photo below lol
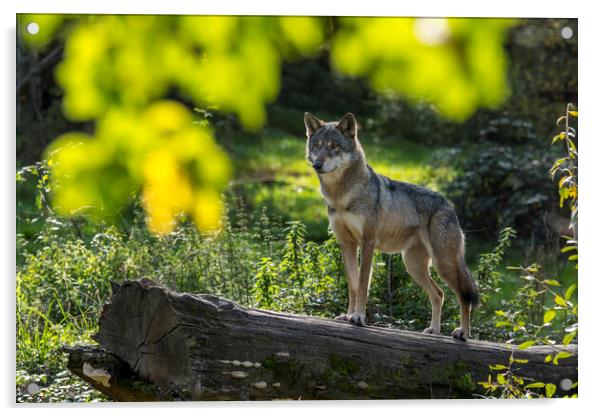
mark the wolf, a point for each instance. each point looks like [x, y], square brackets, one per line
[369, 212]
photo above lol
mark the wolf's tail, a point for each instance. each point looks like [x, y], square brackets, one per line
[468, 287]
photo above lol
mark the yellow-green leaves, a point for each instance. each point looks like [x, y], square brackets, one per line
[526, 344]
[457, 64]
[117, 67]
[559, 300]
[549, 315]
[304, 34]
[37, 30]
[568, 338]
[569, 292]
[550, 389]
[559, 137]
[176, 164]
[231, 61]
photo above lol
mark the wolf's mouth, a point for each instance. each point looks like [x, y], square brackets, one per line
[321, 171]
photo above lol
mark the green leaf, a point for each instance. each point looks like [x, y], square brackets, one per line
[560, 301]
[561, 355]
[558, 137]
[520, 360]
[568, 248]
[526, 344]
[572, 146]
[573, 113]
[557, 164]
[536, 385]
[497, 367]
[501, 379]
[566, 180]
[551, 282]
[550, 389]
[574, 257]
[548, 358]
[500, 324]
[568, 338]
[569, 292]
[549, 315]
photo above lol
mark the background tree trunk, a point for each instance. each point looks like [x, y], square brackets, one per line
[160, 345]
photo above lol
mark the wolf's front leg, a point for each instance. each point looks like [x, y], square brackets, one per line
[350, 258]
[359, 315]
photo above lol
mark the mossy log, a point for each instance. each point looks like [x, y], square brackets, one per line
[164, 345]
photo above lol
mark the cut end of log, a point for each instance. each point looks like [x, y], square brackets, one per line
[109, 374]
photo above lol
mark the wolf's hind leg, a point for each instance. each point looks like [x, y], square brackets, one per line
[416, 259]
[447, 242]
[349, 252]
[453, 269]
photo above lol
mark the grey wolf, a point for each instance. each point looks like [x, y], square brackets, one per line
[368, 211]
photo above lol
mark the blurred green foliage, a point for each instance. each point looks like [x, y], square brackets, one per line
[457, 64]
[117, 71]
[177, 164]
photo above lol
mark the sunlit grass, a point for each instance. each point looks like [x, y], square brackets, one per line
[271, 171]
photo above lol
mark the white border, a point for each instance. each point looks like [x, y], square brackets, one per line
[589, 33]
[518, 8]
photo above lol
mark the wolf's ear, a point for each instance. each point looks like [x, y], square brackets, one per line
[312, 123]
[348, 126]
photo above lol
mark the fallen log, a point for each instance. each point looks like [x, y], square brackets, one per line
[163, 345]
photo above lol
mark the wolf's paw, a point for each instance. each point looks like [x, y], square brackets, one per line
[431, 330]
[343, 317]
[358, 319]
[460, 334]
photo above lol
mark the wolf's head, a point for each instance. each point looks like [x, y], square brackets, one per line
[332, 145]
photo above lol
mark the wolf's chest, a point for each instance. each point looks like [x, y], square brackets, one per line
[347, 225]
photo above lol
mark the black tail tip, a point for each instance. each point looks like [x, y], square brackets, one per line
[471, 297]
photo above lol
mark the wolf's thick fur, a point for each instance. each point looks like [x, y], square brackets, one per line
[370, 211]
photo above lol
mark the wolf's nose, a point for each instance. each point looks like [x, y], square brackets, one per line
[317, 165]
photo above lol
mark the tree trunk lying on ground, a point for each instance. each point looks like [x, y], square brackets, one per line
[159, 345]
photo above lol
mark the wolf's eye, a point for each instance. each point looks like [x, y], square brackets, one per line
[333, 145]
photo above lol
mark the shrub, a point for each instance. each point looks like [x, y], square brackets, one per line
[500, 186]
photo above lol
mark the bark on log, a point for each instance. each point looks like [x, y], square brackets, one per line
[201, 347]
